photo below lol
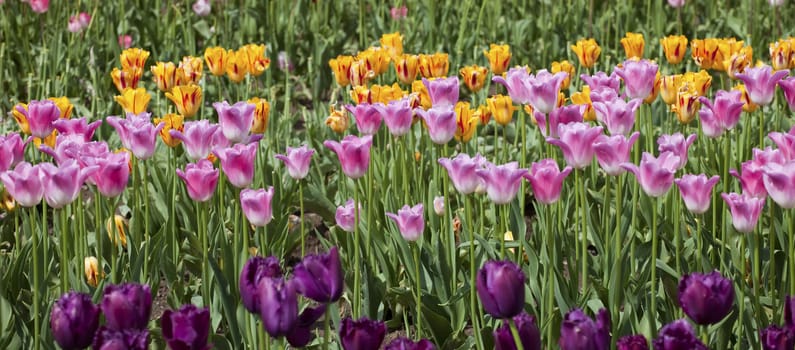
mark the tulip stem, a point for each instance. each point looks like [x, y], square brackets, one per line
[472, 273]
[515, 333]
[64, 247]
[98, 232]
[699, 244]
[301, 205]
[755, 283]
[677, 238]
[202, 209]
[36, 289]
[327, 332]
[148, 239]
[550, 270]
[418, 321]
[584, 232]
[653, 265]
[173, 215]
[772, 263]
[791, 249]
[357, 249]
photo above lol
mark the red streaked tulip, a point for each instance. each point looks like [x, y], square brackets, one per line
[612, 151]
[410, 221]
[257, 205]
[200, 180]
[745, 210]
[576, 142]
[353, 153]
[655, 175]
[546, 178]
[696, 191]
[25, 184]
[237, 162]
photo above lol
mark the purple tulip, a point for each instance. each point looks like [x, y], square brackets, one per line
[301, 334]
[73, 321]
[367, 118]
[789, 315]
[779, 180]
[186, 329]
[602, 80]
[710, 125]
[297, 161]
[515, 81]
[612, 151]
[137, 133]
[410, 222]
[403, 343]
[441, 122]
[777, 338]
[785, 143]
[579, 332]
[127, 306]
[563, 115]
[763, 157]
[546, 179]
[200, 179]
[62, 183]
[500, 287]
[13, 150]
[398, 116]
[235, 120]
[576, 141]
[706, 298]
[617, 116]
[257, 205]
[202, 7]
[237, 163]
[696, 191]
[363, 334]
[353, 153]
[751, 177]
[632, 342]
[128, 339]
[638, 76]
[676, 144]
[78, 129]
[194, 138]
[40, 116]
[255, 269]
[529, 334]
[462, 171]
[678, 335]
[655, 175]
[25, 184]
[745, 210]
[345, 216]
[320, 277]
[278, 305]
[65, 149]
[788, 86]
[760, 82]
[113, 174]
[722, 115]
[544, 87]
[284, 62]
[443, 91]
[502, 181]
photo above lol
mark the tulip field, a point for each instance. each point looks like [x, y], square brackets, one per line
[360, 174]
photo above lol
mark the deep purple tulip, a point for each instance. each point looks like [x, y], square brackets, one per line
[502, 181]
[257, 205]
[442, 91]
[563, 115]
[137, 133]
[62, 183]
[529, 334]
[398, 116]
[500, 287]
[186, 329]
[237, 162]
[403, 343]
[77, 129]
[576, 141]
[638, 76]
[655, 175]
[696, 191]
[617, 116]
[25, 184]
[612, 151]
[789, 312]
[785, 143]
[363, 334]
[678, 335]
[367, 118]
[74, 320]
[722, 115]
[301, 334]
[195, 136]
[544, 87]
[278, 303]
[345, 216]
[760, 82]
[579, 332]
[777, 338]
[200, 180]
[602, 80]
[410, 221]
[40, 116]
[633, 342]
[255, 269]
[13, 150]
[788, 86]
[127, 306]
[515, 81]
[462, 171]
[676, 144]
[235, 120]
[128, 339]
[745, 210]
[353, 153]
[441, 123]
[113, 174]
[706, 298]
[546, 179]
[320, 277]
[779, 180]
[297, 161]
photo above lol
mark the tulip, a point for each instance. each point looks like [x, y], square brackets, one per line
[781, 54]
[474, 77]
[367, 118]
[601, 79]
[633, 45]
[202, 7]
[788, 86]
[669, 88]
[587, 51]
[320, 277]
[435, 65]
[583, 98]
[612, 151]
[639, 77]
[278, 305]
[297, 161]
[579, 332]
[785, 143]
[722, 115]
[500, 287]
[441, 122]
[127, 306]
[779, 180]
[134, 100]
[410, 221]
[499, 57]
[254, 270]
[216, 58]
[363, 334]
[74, 25]
[751, 179]
[126, 79]
[678, 335]
[502, 181]
[113, 173]
[73, 320]
[515, 81]
[236, 65]
[655, 175]
[462, 171]
[25, 184]
[187, 99]
[78, 129]
[117, 224]
[438, 205]
[235, 120]
[128, 339]
[675, 47]
[576, 140]
[353, 153]
[466, 122]
[761, 83]
[543, 88]
[403, 343]
[696, 191]
[91, 270]
[261, 115]
[164, 75]
[676, 144]
[602, 94]
[502, 108]
[194, 138]
[340, 66]
[256, 205]
[345, 216]
[375, 61]
[13, 150]
[745, 210]
[284, 62]
[706, 298]
[125, 41]
[676, 3]
[200, 179]
[170, 122]
[632, 342]
[617, 116]
[137, 134]
[38, 116]
[255, 59]
[406, 68]
[238, 163]
[397, 115]
[443, 91]
[777, 338]
[62, 183]
[563, 115]
[301, 334]
[566, 67]
[686, 106]
[529, 335]
[133, 58]
[546, 179]
[39, 6]
[188, 328]
[398, 13]
[763, 157]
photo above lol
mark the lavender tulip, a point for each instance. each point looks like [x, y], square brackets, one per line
[441, 122]
[113, 174]
[724, 113]
[256, 205]
[563, 115]
[785, 143]
[678, 335]
[632, 342]
[745, 210]
[301, 334]
[128, 339]
[137, 133]
[200, 180]
[696, 191]
[500, 287]
[777, 338]
[13, 150]
[62, 183]
[502, 181]
[188, 328]
[403, 343]
[462, 171]
[544, 87]
[676, 144]
[529, 334]
[706, 298]
[601, 79]
[297, 161]
[443, 91]
[579, 332]
[367, 118]
[788, 86]
[320, 277]
[237, 163]
[78, 129]
[638, 76]
[612, 151]
[410, 222]
[345, 216]
[603, 94]
[74, 320]
[127, 306]
[25, 184]
[40, 116]
[617, 116]
[655, 175]
[576, 142]
[255, 269]
[398, 116]
[362, 334]
[235, 120]
[515, 81]
[546, 179]
[353, 153]
[194, 138]
[278, 303]
[760, 82]
[779, 180]
[438, 205]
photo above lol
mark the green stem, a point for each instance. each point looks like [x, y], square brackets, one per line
[473, 306]
[700, 244]
[327, 332]
[301, 204]
[173, 215]
[584, 232]
[36, 278]
[653, 265]
[98, 231]
[677, 238]
[147, 239]
[553, 260]
[205, 259]
[772, 273]
[357, 274]
[417, 272]
[515, 332]
[757, 280]
[64, 251]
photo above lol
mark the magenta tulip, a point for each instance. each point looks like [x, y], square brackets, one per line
[441, 123]
[655, 175]
[676, 144]
[602, 80]
[563, 115]
[779, 180]
[546, 180]
[745, 210]
[788, 86]
[13, 150]
[576, 140]
[722, 115]
[353, 153]
[760, 82]
[78, 130]
[62, 183]
[752, 171]
[113, 174]
[603, 94]
[256, 204]
[235, 120]
[345, 216]
[502, 181]
[696, 191]
[785, 143]
[137, 133]
[398, 116]
[40, 116]
[200, 180]
[638, 76]
[238, 163]
[443, 91]
[544, 87]
[515, 82]
[297, 161]
[367, 118]
[617, 116]
[410, 221]
[25, 184]
[194, 138]
[612, 151]
[461, 170]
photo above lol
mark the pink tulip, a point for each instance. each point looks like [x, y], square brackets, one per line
[195, 136]
[760, 82]
[367, 118]
[13, 150]
[544, 87]
[202, 7]
[441, 122]
[353, 153]
[62, 183]
[284, 62]
[200, 179]
[410, 222]
[788, 86]
[25, 184]
[398, 116]
[751, 179]
[655, 175]
[77, 129]
[40, 116]
[65, 149]
[601, 79]
[256, 204]
[502, 181]
[125, 41]
[638, 76]
[696, 191]
[676, 3]
[603, 94]
[745, 210]
[398, 13]
[84, 18]
[617, 116]
[443, 91]
[87, 154]
[576, 140]
[775, 3]
[438, 205]
[612, 151]
[74, 25]
[238, 163]
[562, 115]
[235, 120]
[722, 115]
[137, 133]
[297, 161]
[779, 180]
[113, 173]
[39, 6]
[515, 81]
[462, 171]
[346, 216]
[546, 180]
[785, 143]
[676, 144]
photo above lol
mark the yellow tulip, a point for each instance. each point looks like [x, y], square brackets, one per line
[749, 106]
[484, 114]
[18, 112]
[133, 58]
[360, 94]
[393, 43]
[781, 54]
[564, 66]
[474, 77]
[261, 115]
[675, 47]
[419, 88]
[91, 268]
[340, 66]
[360, 73]
[501, 108]
[686, 105]
[164, 74]
[434, 66]
[377, 59]
[236, 66]
[499, 57]
[255, 58]
[189, 71]
[116, 233]
[655, 90]
[587, 51]
[126, 78]
[700, 81]
[739, 61]
[584, 98]
[134, 100]
[187, 98]
[669, 88]
[172, 122]
[466, 122]
[337, 120]
[49, 140]
[7, 203]
[64, 105]
[633, 44]
[216, 58]
[406, 67]
[386, 93]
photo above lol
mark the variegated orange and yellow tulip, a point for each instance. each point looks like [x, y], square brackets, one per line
[501, 108]
[633, 44]
[170, 122]
[418, 88]
[587, 51]
[584, 98]
[739, 61]
[92, 272]
[133, 58]
[134, 100]
[748, 105]
[687, 104]
[256, 61]
[393, 43]
[781, 54]
[337, 120]
[474, 77]
[406, 66]
[165, 75]
[499, 57]
[261, 115]
[20, 118]
[359, 73]
[236, 65]
[340, 66]
[654, 91]
[434, 66]
[675, 47]
[669, 88]
[187, 99]
[216, 58]
[376, 58]
[563, 66]
[64, 105]
[189, 71]
[117, 225]
[466, 122]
